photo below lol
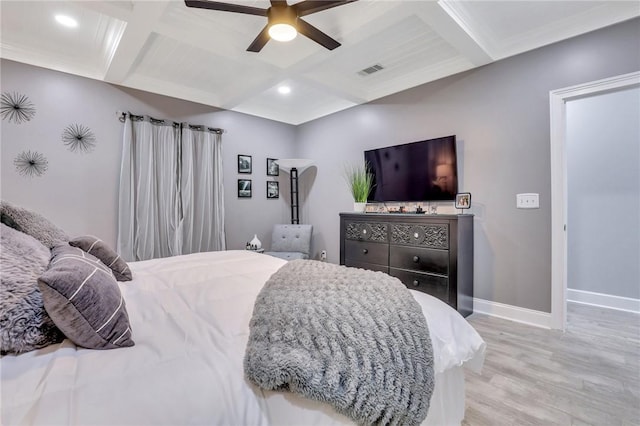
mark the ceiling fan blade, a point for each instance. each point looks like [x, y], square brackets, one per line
[259, 41]
[316, 35]
[312, 6]
[226, 7]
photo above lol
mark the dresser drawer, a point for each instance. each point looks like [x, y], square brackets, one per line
[366, 252]
[434, 235]
[367, 231]
[436, 286]
[419, 259]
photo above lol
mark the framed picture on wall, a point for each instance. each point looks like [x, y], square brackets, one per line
[244, 164]
[273, 190]
[244, 188]
[272, 167]
[463, 200]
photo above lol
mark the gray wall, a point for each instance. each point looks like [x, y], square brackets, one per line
[79, 191]
[603, 186]
[500, 114]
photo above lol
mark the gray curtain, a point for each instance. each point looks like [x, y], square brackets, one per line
[201, 189]
[170, 199]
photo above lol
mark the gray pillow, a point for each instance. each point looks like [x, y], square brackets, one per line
[33, 224]
[108, 256]
[84, 300]
[24, 323]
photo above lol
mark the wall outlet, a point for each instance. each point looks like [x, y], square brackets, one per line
[528, 201]
[323, 255]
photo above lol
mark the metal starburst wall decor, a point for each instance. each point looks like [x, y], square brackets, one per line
[31, 163]
[79, 138]
[16, 108]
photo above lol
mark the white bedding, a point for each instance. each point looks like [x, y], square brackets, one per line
[190, 319]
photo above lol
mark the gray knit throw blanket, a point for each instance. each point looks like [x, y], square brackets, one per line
[353, 338]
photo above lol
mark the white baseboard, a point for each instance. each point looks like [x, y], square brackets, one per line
[512, 313]
[604, 300]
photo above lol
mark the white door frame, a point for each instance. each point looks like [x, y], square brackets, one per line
[558, 99]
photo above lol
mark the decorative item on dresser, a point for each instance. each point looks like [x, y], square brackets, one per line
[432, 254]
[360, 182]
[463, 200]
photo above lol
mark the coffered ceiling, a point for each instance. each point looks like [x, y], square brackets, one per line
[164, 47]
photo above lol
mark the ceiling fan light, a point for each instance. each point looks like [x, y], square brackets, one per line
[282, 32]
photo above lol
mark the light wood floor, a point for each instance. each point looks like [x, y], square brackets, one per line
[589, 375]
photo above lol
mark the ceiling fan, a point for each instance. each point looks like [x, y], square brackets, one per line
[283, 20]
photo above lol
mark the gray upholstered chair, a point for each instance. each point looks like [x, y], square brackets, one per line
[291, 241]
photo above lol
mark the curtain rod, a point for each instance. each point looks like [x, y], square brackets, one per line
[121, 116]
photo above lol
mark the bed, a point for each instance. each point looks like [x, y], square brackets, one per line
[190, 320]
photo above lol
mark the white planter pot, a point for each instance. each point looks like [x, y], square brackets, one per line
[359, 207]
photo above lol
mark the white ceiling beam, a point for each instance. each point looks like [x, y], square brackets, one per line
[142, 20]
[250, 91]
[201, 39]
[247, 92]
[448, 26]
[334, 90]
[118, 10]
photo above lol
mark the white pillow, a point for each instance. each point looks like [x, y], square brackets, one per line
[455, 341]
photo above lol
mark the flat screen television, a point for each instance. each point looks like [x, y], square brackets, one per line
[417, 171]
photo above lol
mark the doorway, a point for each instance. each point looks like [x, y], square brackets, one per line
[558, 101]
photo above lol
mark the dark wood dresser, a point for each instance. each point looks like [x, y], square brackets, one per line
[429, 253]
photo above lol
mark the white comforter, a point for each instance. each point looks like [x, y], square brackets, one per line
[189, 316]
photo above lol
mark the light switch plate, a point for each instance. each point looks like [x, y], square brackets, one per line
[529, 200]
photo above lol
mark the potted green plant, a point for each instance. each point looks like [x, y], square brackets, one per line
[360, 182]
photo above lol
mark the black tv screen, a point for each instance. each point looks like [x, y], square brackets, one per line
[417, 171]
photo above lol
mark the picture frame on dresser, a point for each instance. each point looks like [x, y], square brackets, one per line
[463, 200]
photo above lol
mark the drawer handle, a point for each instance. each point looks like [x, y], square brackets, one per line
[416, 259]
[365, 251]
[416, 283]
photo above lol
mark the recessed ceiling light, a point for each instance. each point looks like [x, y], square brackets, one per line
[284, 90]
[67, 21]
